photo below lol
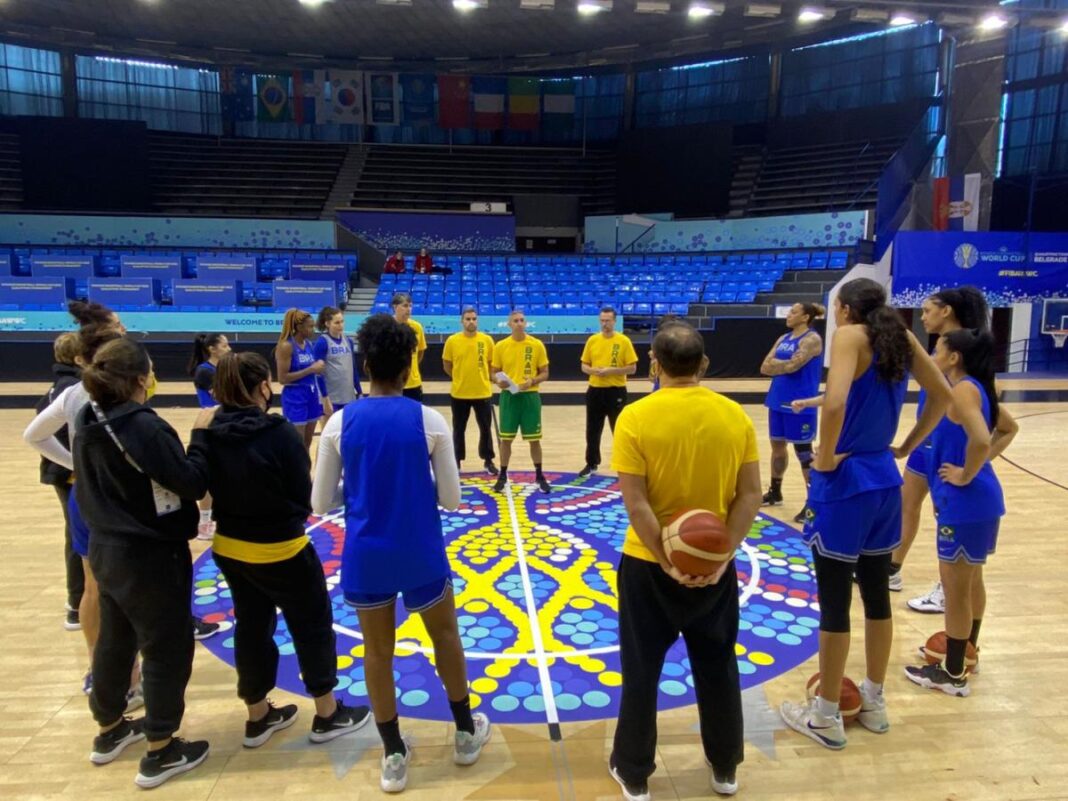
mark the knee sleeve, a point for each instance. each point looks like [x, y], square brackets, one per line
[834, 579]
[803, 451]
[873, 575]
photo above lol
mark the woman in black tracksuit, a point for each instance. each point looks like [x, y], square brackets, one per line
[137, 490]
[260, 478]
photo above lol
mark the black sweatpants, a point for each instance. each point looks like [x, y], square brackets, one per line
[73, 562]
[298, 588]
[601, 403]
[461, 412]
[653, 611]
[415, 393]
[145, 588]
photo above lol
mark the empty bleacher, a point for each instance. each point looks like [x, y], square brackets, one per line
[410, 177]
[205, 175]
[10, 173]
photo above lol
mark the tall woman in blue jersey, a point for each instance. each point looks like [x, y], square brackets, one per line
[853, 520]
[967, 496]
[943, 312]
[393, 536]
[298, 372]
[207, 350]
[795, 368]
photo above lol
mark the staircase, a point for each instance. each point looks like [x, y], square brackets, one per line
[348, 177]
[748, 162]
[361, 300]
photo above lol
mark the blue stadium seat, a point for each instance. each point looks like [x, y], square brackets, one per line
[839, 260]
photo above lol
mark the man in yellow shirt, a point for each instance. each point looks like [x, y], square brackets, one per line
[467, 358]
[607, 359]
[402, 313]
[682, 447]
[525, 363]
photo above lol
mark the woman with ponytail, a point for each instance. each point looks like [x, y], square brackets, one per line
[260, 477]
[853, 519]
[967, 496]
[298, 373]
[943, 312]
[340, 382]
[207, 350]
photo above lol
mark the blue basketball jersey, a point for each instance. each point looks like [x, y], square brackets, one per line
[393, 536]
[982, 499]
[805, 383]
[302, 359]
[204, 397]
[873, 408]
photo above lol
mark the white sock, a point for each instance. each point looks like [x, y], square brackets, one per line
[826, 708]
[870, 689]
[205, 515]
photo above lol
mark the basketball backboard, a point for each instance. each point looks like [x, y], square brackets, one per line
[1055, 319]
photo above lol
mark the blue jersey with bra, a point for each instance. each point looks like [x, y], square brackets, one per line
[803, 383]
[302, 359]
[873, 408]
[982, 499]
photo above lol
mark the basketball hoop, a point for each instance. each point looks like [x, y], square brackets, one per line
[1058, 338]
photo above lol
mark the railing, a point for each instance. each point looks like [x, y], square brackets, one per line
[1036, 356]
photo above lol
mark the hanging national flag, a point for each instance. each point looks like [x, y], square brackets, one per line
[489, 102]
[383, 102]
[418, 99]
[454, 101]
[303, 101]
[524, 99]
[244, 105]
[341, 97]
[558, 104]
[272, 92]
[956, 202]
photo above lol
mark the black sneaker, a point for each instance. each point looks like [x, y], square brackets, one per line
[257, 732]
[107, 747]
[543, 484]
[589, 469]
[491, 468]
[498, 485]
[771, 498]
[72, 621]
[177, 757]
[345, 720]
[202, 629]
[631, 792]
[800, 516]
[935, 677]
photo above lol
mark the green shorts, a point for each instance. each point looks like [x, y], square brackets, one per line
[521, 412]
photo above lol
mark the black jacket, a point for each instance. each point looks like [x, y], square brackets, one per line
[116, 499]
[260, 476]
[66, 375]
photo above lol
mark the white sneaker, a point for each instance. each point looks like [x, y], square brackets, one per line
[469, 746]
[806, 719]
[724, 785]
[933, 603]
[630, 792]
[135, 698]
[395, 770]
[897, 584]
[872, 715]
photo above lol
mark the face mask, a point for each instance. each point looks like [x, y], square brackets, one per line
[150, 386]
[270, 400]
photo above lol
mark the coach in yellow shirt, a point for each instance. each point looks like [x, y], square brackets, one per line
[467, 358]
[523, 360]
[402, 313]
[682, 447]
[607, 359]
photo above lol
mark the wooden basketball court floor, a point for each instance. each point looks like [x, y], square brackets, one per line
[1009, 740]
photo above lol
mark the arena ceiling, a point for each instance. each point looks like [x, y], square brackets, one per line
[432, 34]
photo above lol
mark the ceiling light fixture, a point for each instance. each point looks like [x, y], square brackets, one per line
[652, 7]
[814, 14]
[313, 3]
[902, 19]
[769, 10]
[469, 5]
[701, 9]
[876, 15]
[993, 22]
[538, 5]
[590, 7]
[1064, 27]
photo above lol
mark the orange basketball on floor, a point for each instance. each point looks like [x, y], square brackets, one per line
[935, 651]
[848, 700]
[697, 542]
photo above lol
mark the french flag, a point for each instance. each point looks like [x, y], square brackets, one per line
[956, 203]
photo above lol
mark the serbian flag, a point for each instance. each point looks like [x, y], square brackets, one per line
[524, 98]
[489, 102]
[956, 203]
[454, 101]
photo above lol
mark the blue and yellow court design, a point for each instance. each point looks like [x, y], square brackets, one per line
[535, 579]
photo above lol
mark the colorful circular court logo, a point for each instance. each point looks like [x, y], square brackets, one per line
[535, 579]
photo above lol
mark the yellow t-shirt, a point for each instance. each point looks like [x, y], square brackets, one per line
[602, 351]
[414, 377]
[471, 358]
[520, 360]
[689, 443]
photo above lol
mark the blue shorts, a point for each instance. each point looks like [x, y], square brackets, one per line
[301, 404]
[972, 541]
[416, 600]
[868, 524]
[79, 532]
[798, 427]
[917, 461]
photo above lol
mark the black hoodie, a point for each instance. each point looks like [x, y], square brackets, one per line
[260, 476]
[115, 498]
[66, 375]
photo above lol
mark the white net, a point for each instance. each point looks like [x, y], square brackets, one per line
[1058, 338]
